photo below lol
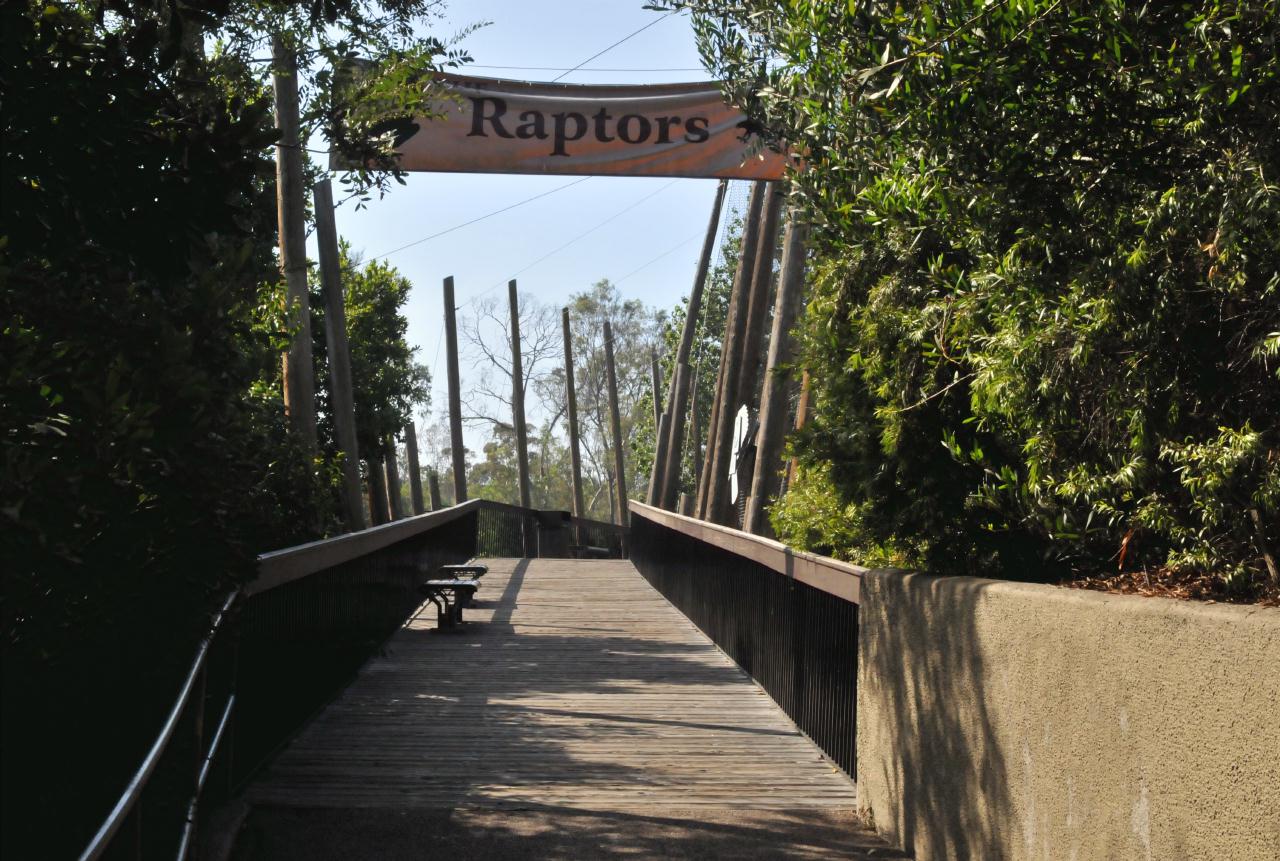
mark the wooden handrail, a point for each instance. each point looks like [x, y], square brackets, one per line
[832, 576]
[293, 563]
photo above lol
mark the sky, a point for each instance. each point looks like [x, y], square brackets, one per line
[649, 230]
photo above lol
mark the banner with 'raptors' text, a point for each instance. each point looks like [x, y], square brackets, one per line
[495, 126]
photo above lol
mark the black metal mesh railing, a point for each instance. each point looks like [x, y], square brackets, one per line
[800, 643]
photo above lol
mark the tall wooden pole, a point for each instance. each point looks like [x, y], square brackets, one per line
[341, 398]
[695, 435]
[393, 480]
[773, 402]
[802, 416]
[433, 485]
[455, 395]
[299, 384]
[714, 505]
[660, 435]
[615, 419]
[661, 438]
[377, 491]
[517, 399]
[761, 282]
[571, 399]
[415, 469]
[655, 382]
[677, 395]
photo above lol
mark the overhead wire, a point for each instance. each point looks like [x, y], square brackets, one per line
[611, 47]
[478, 219]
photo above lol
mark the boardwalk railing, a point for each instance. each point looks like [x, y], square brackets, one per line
[789, 618]
[282, 645]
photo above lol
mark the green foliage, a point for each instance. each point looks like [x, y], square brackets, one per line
[1045, 316]
[138, 475]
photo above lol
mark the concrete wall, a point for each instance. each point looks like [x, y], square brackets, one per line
[1014, 721]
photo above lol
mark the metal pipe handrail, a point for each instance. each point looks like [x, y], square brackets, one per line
[206, 764]
[841, 579]
[133, 790]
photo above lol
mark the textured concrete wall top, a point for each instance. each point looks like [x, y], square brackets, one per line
[1012, 721]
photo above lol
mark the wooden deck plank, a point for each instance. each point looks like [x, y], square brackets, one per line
[574, 684]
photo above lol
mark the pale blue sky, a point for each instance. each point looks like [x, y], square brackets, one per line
[482, 257]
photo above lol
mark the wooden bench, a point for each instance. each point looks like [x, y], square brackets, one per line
[449, 596]
[463, 572]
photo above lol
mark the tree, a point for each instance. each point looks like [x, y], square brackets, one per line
[142, 469]
[1043, 328]
[487, 335]
[635, 333]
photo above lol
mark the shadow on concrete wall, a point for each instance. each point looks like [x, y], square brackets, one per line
[928, 759]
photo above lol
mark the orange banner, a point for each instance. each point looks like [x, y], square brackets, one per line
[495, 126]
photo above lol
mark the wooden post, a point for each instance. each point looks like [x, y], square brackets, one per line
[802, 416]
[455, 395]
[571, 399]
[341, 398]
[660, 437]
[377, 491]
[415, 470]
[695, 436]
[433, 485]
[660, 455]
[393, 480]
[517, 399]
[299, 384]
[615, 418]
[656, 384]
[677, 399]
[715, 504]
[767, 480]
[761, 281]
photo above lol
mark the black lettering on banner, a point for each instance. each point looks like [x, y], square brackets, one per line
[640, 135]
[696, 130]
[479, 118]
[601, 117]
[664, 128]
[562, 133]
[533, 124]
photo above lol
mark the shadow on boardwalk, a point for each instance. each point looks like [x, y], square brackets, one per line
[580, 715]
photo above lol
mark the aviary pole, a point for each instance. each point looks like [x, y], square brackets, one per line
[433, 486]
[767, 480]
[713, 506]
[415, 469]
[615, 419]
[393, 480]
[517, 399]
[455, 395]
[677, 393]
[761, 282]
[341, 398]
[802, 416]
[299, 383]
[660, 438]
[377, 491]
[571, 400]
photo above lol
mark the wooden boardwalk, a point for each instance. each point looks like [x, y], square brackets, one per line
[575, 687]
